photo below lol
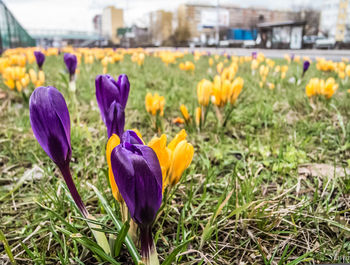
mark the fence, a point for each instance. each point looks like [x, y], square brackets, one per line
[12, 34]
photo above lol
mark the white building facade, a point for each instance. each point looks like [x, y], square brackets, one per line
[335, 20]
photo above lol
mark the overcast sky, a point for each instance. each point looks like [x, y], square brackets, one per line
[78, 14]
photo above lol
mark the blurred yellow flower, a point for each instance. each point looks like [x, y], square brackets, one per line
[187, 66]
[155, 104]
[204, 90]
[184, 112]
[318, 86]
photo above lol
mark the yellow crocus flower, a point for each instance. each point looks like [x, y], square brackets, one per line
[181, 158]
[330, 87]
[271, 86]
[10, 83]
[198, 116]
[312, 87]
[158, 144]
[174, 158]
[155, 104]
[254, 65]
[219, 67]
[33, 76]
[225, 91]
[204, 89]
[178, 138]
[184, 112]
[347, 70]
[18, 86]
[25, 80]
[41, 78]
[113, 141]
[236, 89]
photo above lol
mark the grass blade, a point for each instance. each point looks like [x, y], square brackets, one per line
[7, 247]
[169, 260]
[118, 224]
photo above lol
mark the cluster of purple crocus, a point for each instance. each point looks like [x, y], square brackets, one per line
[135, 166]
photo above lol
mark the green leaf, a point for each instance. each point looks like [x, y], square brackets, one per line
[208, 230]
[121, 238]
[91, 245]
[118, 224]
[3, 240]
[300, 259]
[172, 256]
[100, 237]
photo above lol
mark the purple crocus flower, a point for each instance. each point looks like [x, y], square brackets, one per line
[306, 66]
[71, 63]
[49, 118]
[40, 58]
[138, 176]
[254, 55]
[292, 56]
[112, 97]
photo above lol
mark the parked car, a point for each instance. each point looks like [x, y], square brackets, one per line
[309, 41]
[249, 44]
[325, 43]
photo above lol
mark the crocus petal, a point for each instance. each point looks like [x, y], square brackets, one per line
[178, 138]
[124, 88]
[106, 92]
[137, 183]
[115, 120]
[113, 141]
[152, 161]
[181, 159]
[131, 137]
[163, 153]
[49, 118]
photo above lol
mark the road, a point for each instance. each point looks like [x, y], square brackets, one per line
[335, 55]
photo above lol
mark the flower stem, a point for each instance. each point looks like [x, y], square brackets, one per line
[99, 236]
[148, 250]
[73, 190]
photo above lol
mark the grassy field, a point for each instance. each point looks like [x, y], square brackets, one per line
[272, 187]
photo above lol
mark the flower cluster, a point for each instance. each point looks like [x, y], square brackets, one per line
[321, 87]
[138, 173]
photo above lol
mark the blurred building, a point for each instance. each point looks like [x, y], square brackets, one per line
[335, 20]
[206, 21]
[281, 35]
[112, 19]
[134, 36]
[12, 34]
[160, 27]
